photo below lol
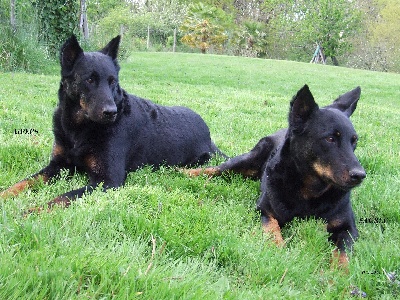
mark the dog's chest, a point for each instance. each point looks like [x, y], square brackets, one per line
[78, 146]
[290, 196]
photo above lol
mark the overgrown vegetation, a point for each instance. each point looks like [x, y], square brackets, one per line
[57, 20]
[359, 33]
[166, 236]
[19, 51]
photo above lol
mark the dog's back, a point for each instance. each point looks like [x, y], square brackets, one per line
[164, 135]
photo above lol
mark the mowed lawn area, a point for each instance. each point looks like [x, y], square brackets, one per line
[166, 236]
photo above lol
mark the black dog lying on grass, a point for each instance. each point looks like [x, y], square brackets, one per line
[103, 131]
[306, 170]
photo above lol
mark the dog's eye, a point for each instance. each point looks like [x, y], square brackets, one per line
[330, 139]
[112, 81]
[354, 140]
[90, 80]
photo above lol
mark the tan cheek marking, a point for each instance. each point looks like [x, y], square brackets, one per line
[83, 103]
[323, 171]
[80, 114]
[272, 227]
[306, 190]
[310, 189]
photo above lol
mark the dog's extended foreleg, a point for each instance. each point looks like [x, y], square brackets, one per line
[343, 233]
[111, 176]
[248, 164]
[44, 175]
[65, 200]
[20, 186]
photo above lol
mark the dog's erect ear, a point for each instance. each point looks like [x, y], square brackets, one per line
[112, 47]
[347, 103]
[301, 108]
[69, 53]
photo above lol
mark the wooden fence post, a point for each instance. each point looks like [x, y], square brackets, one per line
[174, 46]
[148, 37]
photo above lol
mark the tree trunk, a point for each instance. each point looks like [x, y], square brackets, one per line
[334, 61]
[83, 22]
[12, 16]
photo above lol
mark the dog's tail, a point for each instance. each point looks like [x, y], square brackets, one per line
[217, 151]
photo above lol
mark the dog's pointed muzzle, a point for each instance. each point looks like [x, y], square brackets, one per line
[109, 114]
[357, 176]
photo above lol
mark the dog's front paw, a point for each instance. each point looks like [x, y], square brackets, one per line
[271, 227]
[340, 260]
[192, 172]
[210, 171]
[15, 189]
[32, 211]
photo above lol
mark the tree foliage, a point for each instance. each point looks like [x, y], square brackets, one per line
[303, 23]
[201, 28]
[376, 46]
[134, 20]
[357, 33]
[58, 19]
[386, 31]
[331, 24]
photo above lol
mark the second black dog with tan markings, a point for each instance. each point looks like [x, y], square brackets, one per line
[307, 169]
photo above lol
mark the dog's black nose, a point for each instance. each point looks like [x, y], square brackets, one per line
[110, 112]
[357, 175]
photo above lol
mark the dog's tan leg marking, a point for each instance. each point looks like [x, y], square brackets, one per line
[272, 227]
[20, 186]
[92, 163]
[58, 150]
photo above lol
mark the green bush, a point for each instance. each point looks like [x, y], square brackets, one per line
[57, 21]
[20, 50]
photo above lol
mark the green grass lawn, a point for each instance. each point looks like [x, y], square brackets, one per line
[166, 236]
